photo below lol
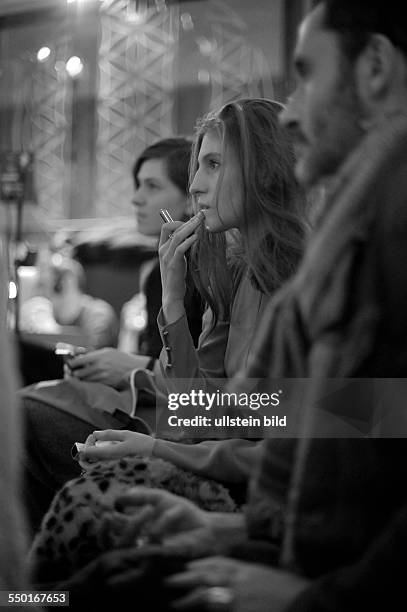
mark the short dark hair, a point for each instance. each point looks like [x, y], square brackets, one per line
[356, 20]
[176, 152]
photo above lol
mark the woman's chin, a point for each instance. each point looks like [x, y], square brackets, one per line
[213, 225]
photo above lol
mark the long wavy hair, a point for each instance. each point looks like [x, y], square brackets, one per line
[270, 241]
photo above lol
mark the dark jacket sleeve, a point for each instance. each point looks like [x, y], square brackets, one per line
[150, 339]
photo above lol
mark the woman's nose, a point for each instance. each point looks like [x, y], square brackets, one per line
[198, 185]
[138, 199]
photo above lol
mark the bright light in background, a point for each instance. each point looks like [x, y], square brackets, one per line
[205, 46]
[12, 290]
[74, 66]
[43, 54]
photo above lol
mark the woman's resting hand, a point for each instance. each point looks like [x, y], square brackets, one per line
[115, 444]
[108, 365]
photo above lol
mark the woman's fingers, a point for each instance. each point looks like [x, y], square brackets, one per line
[87, 372]
[142, 495]
[108, 435]
[90, 440]
[111, 434]
[188, 544]
[166, 522]
[186, 579]
[180, 231]
[177, 249]
[140, 518]
[197, 600]
[180, 249]
[168, 229]
[80, 361]
[187, 228]
[109, 450]
[220, 564]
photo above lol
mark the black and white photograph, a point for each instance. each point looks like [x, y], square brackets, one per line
[203, 305]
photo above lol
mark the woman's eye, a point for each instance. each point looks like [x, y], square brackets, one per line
[213, 164]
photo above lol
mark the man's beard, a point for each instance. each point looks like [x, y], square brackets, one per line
[339, 130]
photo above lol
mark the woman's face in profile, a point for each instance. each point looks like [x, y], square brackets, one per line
[217, 185]
[156, 190]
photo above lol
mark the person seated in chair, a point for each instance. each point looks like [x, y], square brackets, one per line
[97, 392]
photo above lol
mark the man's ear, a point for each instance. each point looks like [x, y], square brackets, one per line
[377, 68]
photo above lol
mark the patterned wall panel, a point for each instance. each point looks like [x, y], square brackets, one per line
[50, 132]
[37, 103]
[237, 67]
[135, 97]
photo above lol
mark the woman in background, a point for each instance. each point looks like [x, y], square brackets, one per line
[98, 394]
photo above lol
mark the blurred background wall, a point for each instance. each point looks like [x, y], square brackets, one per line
[85, 85]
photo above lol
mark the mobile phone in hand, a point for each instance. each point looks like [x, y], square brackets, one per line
[67, 351]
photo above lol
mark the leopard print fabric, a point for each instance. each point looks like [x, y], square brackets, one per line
[82, 521]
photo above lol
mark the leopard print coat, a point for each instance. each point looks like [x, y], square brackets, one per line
[82, 521]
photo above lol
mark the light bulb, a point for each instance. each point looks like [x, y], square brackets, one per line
[74, 66]
[43, 54]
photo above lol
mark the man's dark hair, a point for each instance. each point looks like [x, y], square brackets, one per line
[176, 152]
[356, 20]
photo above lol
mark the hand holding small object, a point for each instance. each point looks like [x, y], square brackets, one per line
[176, 239]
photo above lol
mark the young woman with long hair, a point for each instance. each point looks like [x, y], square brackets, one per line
[244, 241]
